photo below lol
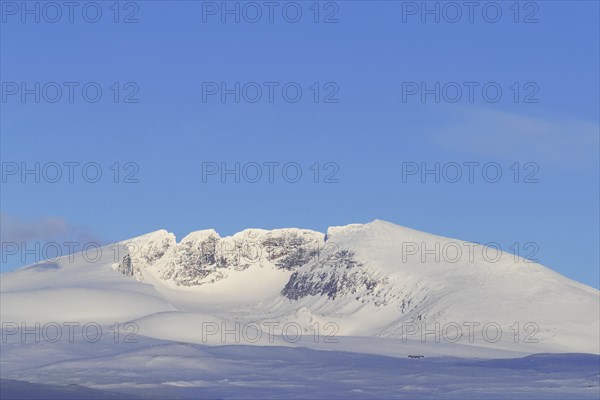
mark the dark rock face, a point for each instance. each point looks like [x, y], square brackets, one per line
[338, 275]
[289, 253]
[126, 266]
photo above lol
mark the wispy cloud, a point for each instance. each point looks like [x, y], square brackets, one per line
[560, 143]
[13, 229]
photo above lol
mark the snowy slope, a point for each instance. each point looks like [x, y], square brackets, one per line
[478, 286]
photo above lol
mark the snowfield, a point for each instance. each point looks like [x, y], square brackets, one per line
[293, 313]
[159, 369]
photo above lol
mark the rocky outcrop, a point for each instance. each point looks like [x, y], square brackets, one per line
[337, 275]
[204, 257]
[143, 252]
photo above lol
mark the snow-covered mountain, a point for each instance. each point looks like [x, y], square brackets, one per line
[367, 280]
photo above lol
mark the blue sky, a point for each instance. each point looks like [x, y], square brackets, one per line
[361, 131]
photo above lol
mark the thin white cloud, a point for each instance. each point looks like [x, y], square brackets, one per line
[13, 229]
[560, 143]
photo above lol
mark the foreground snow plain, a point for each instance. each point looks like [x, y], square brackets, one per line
[112, 330]
[163, 370]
